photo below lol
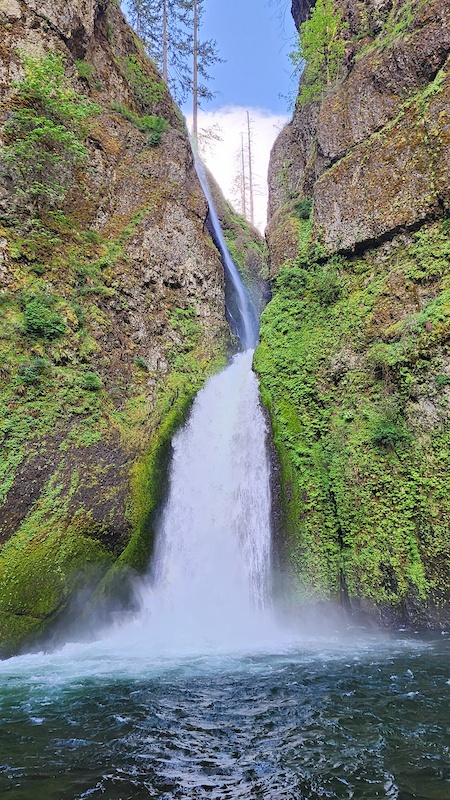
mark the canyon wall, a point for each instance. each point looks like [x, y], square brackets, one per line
[112, 307]
[354, 357]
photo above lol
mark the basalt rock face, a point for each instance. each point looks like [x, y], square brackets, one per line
[354, 358]
[383, 125]
[112, 316]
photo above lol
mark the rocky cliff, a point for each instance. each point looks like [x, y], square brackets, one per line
[112, 304]
[354, 359]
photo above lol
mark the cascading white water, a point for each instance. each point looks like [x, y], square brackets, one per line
[211, 573]
[210, 579]
[247, 324]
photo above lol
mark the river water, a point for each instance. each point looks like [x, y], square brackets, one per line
[209, 691]
[355, 715]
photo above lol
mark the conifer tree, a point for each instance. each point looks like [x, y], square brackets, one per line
[170, 31]
[165, 29]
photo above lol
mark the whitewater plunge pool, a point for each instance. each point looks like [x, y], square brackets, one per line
[362, 717]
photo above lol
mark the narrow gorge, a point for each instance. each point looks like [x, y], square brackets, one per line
[224, 475]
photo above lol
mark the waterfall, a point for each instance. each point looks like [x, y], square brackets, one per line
[246, 323]
[210, 577]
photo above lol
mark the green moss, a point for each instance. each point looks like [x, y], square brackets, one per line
[344, 361]
[16, 631]
[49, 558]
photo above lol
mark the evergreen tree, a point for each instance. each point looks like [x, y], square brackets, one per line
[165, 29]
[170, 31]
[320, 49]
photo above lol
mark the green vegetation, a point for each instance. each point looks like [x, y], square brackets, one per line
[320, 50]
[45, 133]
[85, 69]
[41, 320]
[156, 124]
[147, 90]
[442, 380]
[399, 22]
[32, 372]
[91, 382]
[351, 373]
[303, 208]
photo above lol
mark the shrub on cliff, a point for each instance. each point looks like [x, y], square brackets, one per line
[45, 133]
[320, 50]
[41, 321]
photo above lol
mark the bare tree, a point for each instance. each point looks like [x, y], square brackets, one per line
[250, 170]
[244, 188]
[208, 138]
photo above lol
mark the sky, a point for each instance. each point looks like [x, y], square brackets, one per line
[222, 157]
[254, 38]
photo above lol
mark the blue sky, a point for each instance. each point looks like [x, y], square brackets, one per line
[254, 37]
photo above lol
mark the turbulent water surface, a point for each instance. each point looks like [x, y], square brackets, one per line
[362, 717]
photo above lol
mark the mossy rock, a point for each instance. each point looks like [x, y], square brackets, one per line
[362, 426]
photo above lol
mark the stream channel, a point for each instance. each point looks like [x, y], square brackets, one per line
[209, 691]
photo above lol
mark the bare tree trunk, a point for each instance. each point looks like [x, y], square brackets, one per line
[250, 171]
[195, 78]
[244, 188]
[165, 67]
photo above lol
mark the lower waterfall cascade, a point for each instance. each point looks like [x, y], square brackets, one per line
[212, 566]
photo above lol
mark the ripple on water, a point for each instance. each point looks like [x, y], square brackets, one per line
[359, 720]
